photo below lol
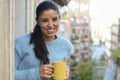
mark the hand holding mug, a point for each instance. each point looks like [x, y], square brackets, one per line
[46, 70]
[57, 70]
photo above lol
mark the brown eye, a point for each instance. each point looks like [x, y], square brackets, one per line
[55, 19]
[44, 20]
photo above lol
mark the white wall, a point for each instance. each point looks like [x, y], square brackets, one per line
[20, 17]
[25, 16]
[6, 39]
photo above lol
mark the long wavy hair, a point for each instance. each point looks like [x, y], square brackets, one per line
[40, 49]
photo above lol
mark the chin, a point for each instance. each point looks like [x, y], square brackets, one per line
[51, 35]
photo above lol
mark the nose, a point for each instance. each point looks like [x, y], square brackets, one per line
[50, 24]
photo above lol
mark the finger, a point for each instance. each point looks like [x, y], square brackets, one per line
[67, 74]
[48, 72]
[48, 65]
[47, 76]
[47, 69]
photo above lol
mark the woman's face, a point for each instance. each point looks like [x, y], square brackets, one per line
[49, 22]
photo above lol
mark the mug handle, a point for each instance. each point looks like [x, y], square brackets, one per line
[53, 71]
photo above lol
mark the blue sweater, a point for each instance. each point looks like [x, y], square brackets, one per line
[27, 65]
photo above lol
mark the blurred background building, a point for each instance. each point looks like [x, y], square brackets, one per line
[115, 35]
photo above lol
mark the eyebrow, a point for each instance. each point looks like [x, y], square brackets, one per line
[52, 17]
[55, 17]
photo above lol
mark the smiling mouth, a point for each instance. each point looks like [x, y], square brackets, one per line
[50, 31]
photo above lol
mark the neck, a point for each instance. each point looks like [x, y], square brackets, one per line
[49, 38]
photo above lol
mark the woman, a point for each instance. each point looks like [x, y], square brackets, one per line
[35, 52]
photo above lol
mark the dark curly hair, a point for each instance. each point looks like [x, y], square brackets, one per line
[40, 49]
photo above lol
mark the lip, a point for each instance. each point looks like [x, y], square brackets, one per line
[50, 31]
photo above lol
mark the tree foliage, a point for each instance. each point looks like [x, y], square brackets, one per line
[83, 70]
[116, 55]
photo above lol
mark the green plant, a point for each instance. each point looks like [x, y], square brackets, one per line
[91, 40]
[64, 16]
[116, 56]
[102, 58]
[83, 70]
[88, 70]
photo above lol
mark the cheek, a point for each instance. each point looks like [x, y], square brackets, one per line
[43, 29]
[43, 26]
[57, 25]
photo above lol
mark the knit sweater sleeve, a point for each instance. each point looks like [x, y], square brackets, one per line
[70, 47]
[27, 74]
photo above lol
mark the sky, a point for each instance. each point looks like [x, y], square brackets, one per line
[103, 13]
[107, 11]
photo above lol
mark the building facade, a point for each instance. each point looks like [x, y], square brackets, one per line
[80, 37]
[115, 35]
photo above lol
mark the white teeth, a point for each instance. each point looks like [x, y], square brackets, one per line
[50, 30]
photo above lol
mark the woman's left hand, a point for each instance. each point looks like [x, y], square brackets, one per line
[67, 74]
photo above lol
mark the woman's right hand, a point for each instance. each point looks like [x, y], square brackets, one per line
[46, 70]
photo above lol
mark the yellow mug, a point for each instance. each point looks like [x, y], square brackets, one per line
[59, 70]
